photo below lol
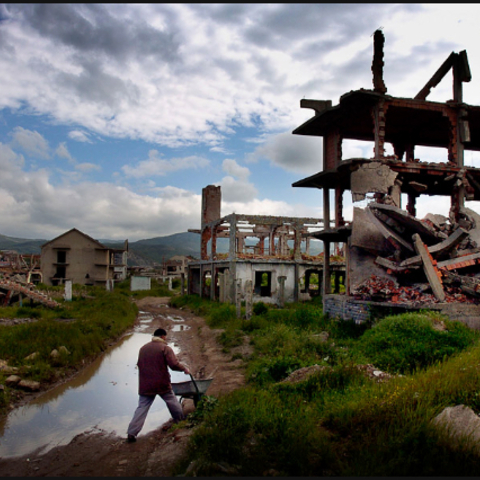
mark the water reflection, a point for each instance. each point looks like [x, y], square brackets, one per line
[102, 396]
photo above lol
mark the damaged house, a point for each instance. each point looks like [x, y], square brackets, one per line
[394, 259]
[77, 257]
[268, 258]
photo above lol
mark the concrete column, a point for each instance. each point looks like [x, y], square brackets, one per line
[212, 282]
[281, 290]
[68, 291]
[233, 238]
[238, 297]
[182, 280]
[221, 282]
[327, 288]
[248, 299]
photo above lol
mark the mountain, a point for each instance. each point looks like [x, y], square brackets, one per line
[21, 245]
[141, 252]
[159, 249]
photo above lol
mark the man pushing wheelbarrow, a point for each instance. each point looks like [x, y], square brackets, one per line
[154, 358]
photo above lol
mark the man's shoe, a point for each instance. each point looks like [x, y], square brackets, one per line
[131, 439]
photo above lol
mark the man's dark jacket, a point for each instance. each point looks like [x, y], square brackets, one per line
[153, 360]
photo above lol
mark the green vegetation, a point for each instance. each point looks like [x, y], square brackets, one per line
[84, 326]
[337, 421]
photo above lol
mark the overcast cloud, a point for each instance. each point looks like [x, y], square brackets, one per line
[206, 93]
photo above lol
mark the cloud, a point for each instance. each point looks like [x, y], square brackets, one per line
[32, 143]
[233, 168]
[156, 166]
[295, 153]
[31, 206]
[138, 71]
[63, 152]
[79, 136]
[268, 207]
[239, 191]
[87, 167]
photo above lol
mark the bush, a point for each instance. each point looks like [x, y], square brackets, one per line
[404, 343]
[260, 308]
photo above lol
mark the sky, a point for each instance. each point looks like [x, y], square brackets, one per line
[114, 117]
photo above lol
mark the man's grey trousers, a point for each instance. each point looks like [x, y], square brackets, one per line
[144, 404]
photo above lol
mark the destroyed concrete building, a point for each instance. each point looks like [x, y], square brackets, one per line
[176, 266]
[268, 258]
[79, 258]
[393, 258]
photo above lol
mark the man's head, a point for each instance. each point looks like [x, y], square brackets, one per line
[159, 332]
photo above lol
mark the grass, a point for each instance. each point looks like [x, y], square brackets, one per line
[85, 326]
[338, 422]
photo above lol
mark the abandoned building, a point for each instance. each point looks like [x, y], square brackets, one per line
[77, 257]
[267, 258]
[392, 258]
[176, 266]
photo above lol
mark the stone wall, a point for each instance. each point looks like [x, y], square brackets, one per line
[345, 308]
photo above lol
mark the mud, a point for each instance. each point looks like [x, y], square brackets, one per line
[99, 453]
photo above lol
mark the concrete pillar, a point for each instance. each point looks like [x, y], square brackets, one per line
[221, 287]
[229, 286]
[281, 290]
[327, 288]
[170, 283]
[68, 291]
[233, 238]
[182, 280]
[248, 299]
[238, 297]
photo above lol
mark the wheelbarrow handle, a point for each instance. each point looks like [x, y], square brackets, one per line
[195, 383]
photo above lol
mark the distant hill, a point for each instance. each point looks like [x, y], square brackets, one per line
[142, 252]
[21, 245]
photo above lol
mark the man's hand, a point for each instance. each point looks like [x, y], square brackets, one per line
[187, 371]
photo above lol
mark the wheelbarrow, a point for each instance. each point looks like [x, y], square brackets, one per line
[193, 389]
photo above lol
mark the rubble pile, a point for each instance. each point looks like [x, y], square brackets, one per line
[433, 260]
[382, 289]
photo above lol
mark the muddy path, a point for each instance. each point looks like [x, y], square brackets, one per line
[101, 453]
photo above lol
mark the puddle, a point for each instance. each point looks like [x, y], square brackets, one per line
[103, 396]
[178, 328]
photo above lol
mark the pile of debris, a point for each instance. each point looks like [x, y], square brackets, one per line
[10, 291]
[425, 261]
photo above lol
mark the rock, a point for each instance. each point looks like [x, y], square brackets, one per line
[54, 353]
[322, 336]
[8, 370]
[63, 349]
[32, 356]
[303, 373]
[12, 380]
[461, 424]
[29, 385]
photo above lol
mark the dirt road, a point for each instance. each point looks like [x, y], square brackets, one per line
[99, 453]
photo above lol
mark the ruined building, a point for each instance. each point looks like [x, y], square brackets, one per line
[77, 257]
[393, 258]
[268, 258]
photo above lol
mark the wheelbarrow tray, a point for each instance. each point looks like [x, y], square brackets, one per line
[188, 388]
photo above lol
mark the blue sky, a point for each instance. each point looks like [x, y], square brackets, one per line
[113, 117]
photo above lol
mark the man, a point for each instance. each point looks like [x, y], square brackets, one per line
[154, 359]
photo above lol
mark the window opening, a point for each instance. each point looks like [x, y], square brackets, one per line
[263, 284]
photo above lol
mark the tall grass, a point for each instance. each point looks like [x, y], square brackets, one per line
[84, 326]
[338, 422]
